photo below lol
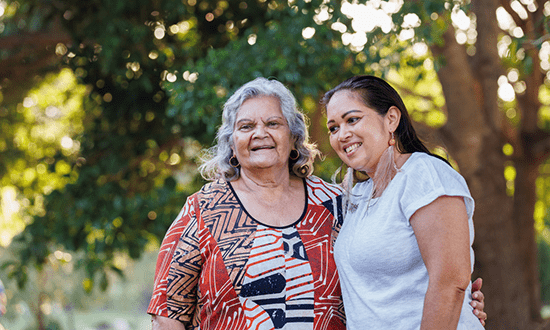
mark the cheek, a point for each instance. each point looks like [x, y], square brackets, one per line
[380, 138]
[287, 142]
[334, 142]
[239, 144]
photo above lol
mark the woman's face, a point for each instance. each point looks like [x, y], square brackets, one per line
[261, 137]
[358, 134]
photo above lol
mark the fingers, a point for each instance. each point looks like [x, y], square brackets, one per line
[481, 315]
[478, 304]
[476, 286]
[479, 297]
[479, 301]
[478, 310]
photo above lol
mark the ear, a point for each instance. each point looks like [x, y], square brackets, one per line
[392, 118]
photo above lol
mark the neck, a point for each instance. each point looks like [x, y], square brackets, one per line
[254, 180]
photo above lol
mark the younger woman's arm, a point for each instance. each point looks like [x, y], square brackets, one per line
[441, 229]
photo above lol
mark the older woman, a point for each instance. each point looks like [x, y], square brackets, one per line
[253, 249]
[404, 253]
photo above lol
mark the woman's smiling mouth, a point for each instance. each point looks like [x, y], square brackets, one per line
[262, 147]
[352, 147]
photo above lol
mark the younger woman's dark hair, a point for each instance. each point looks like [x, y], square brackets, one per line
[378, 95]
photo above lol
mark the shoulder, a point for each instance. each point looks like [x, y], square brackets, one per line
[214, 186]
[318, 187]
[425, 175]
[423, 167]
[328, 196]
[423, 161]
[211, 193]
[320, 191]
[425, 178]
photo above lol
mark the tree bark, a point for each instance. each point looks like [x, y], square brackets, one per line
[474, 134]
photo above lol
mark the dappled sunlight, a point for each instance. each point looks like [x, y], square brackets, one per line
[52, 116]
[423, 97]
[505, 90]
[322, 14]
[544, 56]
[11, 223]
[366, 18]
[308, 32]
[96, 172]
[506, 22]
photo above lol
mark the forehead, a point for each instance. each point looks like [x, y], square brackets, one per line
[260, 106]
[343, 101]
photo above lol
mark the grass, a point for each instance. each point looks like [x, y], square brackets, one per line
[93, 320]
[122, 307]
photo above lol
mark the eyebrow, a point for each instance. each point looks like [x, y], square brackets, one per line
[276, 117]
[344, 115]
[241, 120]
[268, 119]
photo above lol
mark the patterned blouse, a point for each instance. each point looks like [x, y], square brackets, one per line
[219, 268]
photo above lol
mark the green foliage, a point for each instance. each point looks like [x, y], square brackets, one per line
[157, 73]
[544, 269]
[115, 191]
[146, 86]
[196, 103]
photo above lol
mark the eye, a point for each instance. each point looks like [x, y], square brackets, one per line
[332, 129]
[352, 120]
[273, 124]
[245, 126]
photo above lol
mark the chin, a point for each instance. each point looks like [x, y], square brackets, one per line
[353, 164]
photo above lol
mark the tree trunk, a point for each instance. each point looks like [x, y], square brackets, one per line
[524, 205]
[474, 137]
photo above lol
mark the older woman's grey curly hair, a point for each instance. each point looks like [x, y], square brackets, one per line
[216, 159]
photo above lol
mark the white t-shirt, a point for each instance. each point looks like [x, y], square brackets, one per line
[382, 275]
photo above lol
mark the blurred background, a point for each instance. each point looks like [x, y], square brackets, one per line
[105, 106]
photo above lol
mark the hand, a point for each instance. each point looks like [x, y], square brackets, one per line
[478, 301]
[164, 323]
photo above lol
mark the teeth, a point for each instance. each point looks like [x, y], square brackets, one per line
[352, 147]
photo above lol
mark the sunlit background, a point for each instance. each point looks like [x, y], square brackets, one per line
[51, 120]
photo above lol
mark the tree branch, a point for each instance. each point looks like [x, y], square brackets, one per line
[34, 40]
[29, 55]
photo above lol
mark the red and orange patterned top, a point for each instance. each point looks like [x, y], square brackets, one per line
[219, 268]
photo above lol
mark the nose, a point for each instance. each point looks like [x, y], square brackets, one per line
[260, 132]
[344, 133]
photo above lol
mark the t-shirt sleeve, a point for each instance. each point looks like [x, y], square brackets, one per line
[175, 291]
[429, 178]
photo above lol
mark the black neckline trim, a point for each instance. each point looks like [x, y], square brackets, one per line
[264, 224]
